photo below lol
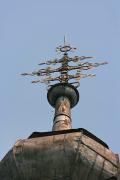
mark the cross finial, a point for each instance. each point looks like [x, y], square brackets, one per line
[69, 69]
[63, 81]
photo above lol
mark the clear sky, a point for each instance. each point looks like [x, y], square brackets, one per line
[29, 32]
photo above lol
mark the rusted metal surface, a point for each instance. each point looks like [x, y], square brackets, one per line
[82, 130]
[62, 119]
[65, 156]
[62, 97]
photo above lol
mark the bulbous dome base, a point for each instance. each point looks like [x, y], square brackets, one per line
[63, 90]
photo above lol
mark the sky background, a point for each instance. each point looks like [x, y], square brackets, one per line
[29, 32]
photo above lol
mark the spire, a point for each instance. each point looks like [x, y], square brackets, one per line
[62, 82]
[64, 41]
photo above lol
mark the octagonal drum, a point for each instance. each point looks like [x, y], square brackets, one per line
[62, 155]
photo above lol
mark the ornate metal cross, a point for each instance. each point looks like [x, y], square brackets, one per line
[62, 82]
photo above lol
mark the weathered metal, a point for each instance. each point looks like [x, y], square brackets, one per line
[64, 67]
[62, 97]
[63, 90]
[64, 153]
[62, 119]
[60, 155]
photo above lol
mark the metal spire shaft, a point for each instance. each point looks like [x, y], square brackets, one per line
[62, 82]
[62, 118]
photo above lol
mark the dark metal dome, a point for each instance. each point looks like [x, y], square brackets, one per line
[65, 90]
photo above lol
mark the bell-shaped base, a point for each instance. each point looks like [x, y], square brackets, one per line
[63, 90]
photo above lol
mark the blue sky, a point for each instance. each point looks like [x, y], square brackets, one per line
[29, 32]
